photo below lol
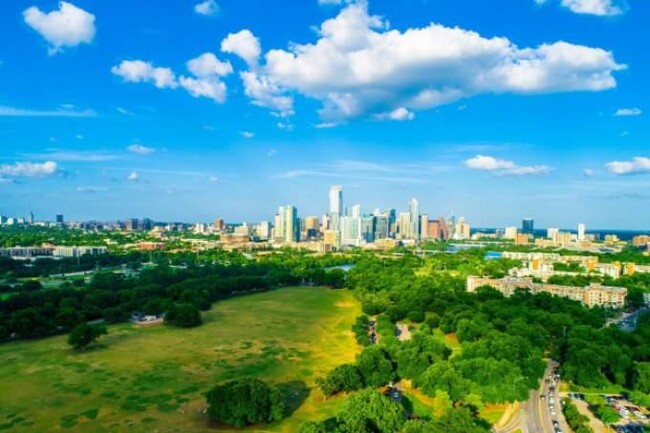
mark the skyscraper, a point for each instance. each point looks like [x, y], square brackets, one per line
[287, 225]
[528, 226]
[414, 210]
[581, 231]
[336, 206]
[59, 219]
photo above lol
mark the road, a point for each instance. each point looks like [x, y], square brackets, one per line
[535, 415]
[628, 321]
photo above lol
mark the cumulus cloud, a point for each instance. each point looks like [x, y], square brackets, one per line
[205, 81]
[139, 71]
[502, 167]
[207, 7]
[594, 7]
[628, 112]
[133, 176]
[399, 114]
[637, 165]
[358, 67]
[247, 134]
[140, 149]
[28, 169]
[68, 26]
[91, 189]
[244, 44]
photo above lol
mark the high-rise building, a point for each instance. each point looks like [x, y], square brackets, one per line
[336, 200]
[131, 224]
[287, 225]
[350, 231]
[381, 226]
[59, 219]
[264, 230]
[462, 231]
[443, 229]
[528, 226]
[31, 218]
[510, 233]
[581, 231]
[336, 207]
[219, 224]
[551, 233]
[368, 228]
[414, 211]
[310, 227]
[424, 226]
[404, 226]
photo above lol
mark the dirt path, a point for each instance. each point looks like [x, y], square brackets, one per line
[403, 332]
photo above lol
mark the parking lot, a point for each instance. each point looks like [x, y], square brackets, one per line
[633, 418]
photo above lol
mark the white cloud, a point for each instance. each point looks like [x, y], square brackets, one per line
[247, 134]
[265, 93]
[326, 125]
[399, 114]
[358, 67]
[28, 169]
[285, 126]
[593, 7]
[139, 71]
[74, 155]
[140, 149]
[214, 179]
[133, 176]
[637, 165]
[208, 65]
[244, 44]
[271, 153]
[502, 167]
[205, 82]
[63, 112]
[207, 7]
[628, 112]
[68, 26]
[588, 172]
[124, 111]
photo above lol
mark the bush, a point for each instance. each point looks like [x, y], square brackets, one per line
[83, 335]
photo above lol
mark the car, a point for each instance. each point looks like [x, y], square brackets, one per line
[555, 423]
[542, 396]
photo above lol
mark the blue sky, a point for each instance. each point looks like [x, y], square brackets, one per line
[191, 110]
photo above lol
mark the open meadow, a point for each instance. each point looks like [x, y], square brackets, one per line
[153, 379]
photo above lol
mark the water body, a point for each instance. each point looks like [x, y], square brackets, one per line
[493, 255]
[344, 268]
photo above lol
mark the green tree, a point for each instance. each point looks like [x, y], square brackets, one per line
[344, 378]
[369, 411]
[245, 402]
[607, 414]
[183, 315]
[84, 334]
[375, 366]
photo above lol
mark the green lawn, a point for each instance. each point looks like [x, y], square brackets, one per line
[152, 379]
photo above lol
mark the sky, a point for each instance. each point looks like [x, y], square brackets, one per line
[190, 110]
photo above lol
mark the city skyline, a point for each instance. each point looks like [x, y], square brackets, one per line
[203, 108]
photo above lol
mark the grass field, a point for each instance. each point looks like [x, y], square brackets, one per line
[152, 379]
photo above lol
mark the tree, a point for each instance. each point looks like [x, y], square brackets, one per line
[245, 402]
[84, 334]
[607, 414]
[375, 366]
[183, 315]
[344, 378]
[369, 411]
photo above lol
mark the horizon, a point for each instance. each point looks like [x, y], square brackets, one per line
[205, 108]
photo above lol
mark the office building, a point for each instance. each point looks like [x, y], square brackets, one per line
[287, 225]
[581, 232]
[336, 207]
[381, 226]
[424, 226]
[510, 233]
[264, 230]
[528, 226]
[414, 211]
[552, 234]
[368, 228]
[219, 225]
[462, 230]
[350, 231]
[404, 226]
[59, 219]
